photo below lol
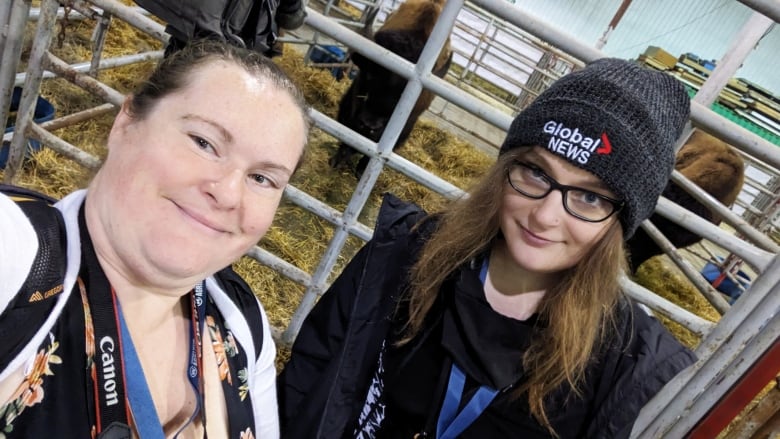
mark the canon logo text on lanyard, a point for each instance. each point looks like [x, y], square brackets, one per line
[109, 371]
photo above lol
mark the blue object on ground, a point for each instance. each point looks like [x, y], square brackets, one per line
[727, 286]
[44, 111]
[327, 54]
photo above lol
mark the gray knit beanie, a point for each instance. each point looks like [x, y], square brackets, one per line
[615, 119]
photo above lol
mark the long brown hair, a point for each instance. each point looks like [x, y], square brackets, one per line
[576, 313]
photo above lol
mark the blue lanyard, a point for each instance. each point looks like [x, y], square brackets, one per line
[451, 423]
[147, 422]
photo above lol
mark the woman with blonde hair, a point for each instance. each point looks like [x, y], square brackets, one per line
[502, 315]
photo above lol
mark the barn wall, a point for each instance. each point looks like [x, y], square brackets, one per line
[703, 27]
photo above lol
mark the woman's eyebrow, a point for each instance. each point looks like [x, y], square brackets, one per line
[268, 165]
[223, 132]
[592, 182]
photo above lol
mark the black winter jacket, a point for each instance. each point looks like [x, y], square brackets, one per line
[248, 23]
[324, 385]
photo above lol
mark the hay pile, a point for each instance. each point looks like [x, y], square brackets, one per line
[660, 275]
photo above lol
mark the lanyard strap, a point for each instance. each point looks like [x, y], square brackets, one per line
[451, 423]
[120, 375]
[147, 423]
[108, 373]
[483, 270]
[196, 354]
[195, 370]
[103, 346]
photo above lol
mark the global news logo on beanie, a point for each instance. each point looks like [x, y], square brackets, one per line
[574, 145]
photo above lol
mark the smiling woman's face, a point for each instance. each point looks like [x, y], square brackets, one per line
[540, 236]
[191, 186]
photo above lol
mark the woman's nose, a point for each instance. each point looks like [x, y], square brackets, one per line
[548, 210]
[226, 190]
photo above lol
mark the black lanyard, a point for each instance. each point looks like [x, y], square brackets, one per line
[111, 410]
[110, 382]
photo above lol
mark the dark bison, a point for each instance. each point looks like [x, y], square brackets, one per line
[375, 91]
[715, 167]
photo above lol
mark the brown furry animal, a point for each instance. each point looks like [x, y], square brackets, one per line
[715, 167]
[375, 91]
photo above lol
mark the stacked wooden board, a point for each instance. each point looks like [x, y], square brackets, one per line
[745, 98]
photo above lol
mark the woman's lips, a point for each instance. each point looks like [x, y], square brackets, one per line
[201, 220]
[533, 239]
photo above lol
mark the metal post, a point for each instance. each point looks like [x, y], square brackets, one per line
[735, 135]
[755, 236]
[541, 29]
[5, 15]
[105, 63]
[428, 57]
[98, 41]
[129, 15]
[86, 82]
[15, 13]
[613, 24]
[711, 294]
[64, 148]
[741, 337]
[770, 8]
[32, 86]
[691, 321]
[746, 39]
[754, 256]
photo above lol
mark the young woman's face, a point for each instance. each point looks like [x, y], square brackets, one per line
[540, 235]
[190, 187]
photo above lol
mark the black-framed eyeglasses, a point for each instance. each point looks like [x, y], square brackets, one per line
[586, 205]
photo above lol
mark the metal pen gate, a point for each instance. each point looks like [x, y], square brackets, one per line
[747, 332]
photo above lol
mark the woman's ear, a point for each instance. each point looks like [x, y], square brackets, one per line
[124, 110]
[121, 121]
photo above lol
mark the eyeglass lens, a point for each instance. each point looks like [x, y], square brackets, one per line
[581, 203]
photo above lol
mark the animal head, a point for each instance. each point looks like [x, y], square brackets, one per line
[713, 165]
[378, 90]
[376, 93]
[408, 28]
[414, 14]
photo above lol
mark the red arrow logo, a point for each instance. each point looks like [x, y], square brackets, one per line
[606, 146]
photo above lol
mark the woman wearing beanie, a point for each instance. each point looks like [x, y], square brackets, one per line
[501, 317]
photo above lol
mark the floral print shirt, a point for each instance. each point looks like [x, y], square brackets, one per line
[55, 396]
